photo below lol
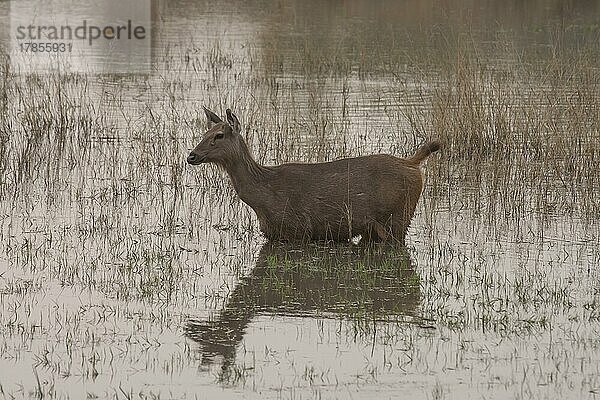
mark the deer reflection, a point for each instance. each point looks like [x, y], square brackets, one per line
[377, 281]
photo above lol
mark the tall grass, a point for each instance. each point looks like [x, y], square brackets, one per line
[109, 237]
[527, 143]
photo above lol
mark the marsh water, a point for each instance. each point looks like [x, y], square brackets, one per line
[126, 273]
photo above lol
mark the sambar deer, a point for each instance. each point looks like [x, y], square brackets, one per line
[372, 196]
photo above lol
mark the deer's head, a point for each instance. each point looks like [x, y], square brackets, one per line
[221, 143]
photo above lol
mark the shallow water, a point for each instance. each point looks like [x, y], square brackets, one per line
[125, 273]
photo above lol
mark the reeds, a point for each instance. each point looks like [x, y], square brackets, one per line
[110, 244]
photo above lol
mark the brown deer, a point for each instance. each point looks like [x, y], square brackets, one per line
[372, 196]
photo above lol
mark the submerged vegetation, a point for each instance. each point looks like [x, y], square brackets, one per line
[112, 250]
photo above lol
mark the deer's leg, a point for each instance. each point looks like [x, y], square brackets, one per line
[398, 234]
[381, 232]
[388, 232]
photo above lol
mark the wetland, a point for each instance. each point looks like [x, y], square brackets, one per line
[126, 273]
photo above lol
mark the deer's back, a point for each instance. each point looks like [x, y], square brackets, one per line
[363, 173]
[328, 196]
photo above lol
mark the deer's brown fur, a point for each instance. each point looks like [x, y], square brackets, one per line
[373, 196]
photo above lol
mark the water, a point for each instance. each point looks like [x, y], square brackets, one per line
[126, 273]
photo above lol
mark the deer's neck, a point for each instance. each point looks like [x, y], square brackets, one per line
[246, 174]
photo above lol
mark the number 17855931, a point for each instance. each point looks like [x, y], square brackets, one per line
[45, 47]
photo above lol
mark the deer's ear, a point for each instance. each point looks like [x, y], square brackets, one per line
[233, 121]
[211, 117]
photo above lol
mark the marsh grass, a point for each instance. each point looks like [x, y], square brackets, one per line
[111, 243]
[533, 141]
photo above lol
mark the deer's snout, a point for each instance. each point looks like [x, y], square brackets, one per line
[194, 159]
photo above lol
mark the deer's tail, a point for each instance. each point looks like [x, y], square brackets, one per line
[424, 151]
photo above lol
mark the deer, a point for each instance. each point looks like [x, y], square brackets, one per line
[373, 197]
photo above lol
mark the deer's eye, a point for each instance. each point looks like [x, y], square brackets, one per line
[219, 136]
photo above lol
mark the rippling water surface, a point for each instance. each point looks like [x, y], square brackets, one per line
[126, 273]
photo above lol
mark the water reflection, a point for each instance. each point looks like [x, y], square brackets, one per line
[374, 283]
